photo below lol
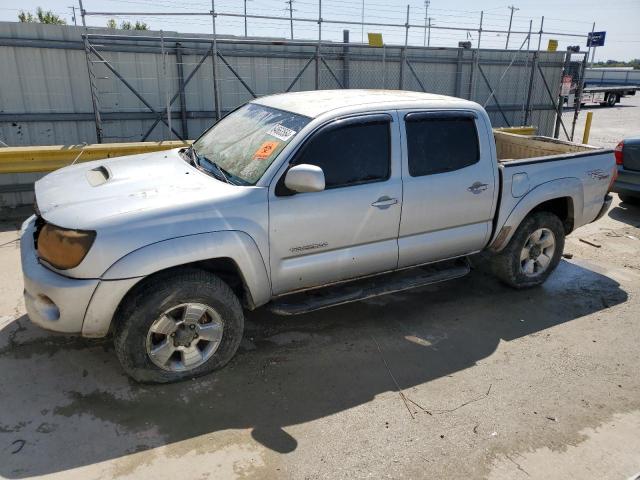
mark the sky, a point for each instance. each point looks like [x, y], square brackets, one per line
[619, 18]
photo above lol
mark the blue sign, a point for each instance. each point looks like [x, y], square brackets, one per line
[596, 39]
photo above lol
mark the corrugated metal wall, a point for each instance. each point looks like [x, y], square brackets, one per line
[45, 94]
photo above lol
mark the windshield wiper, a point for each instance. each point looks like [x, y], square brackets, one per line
[217, 171]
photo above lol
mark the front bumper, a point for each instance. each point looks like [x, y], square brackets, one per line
[53, 301]
[63, 304]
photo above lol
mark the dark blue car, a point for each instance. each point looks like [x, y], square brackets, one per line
[627, 185]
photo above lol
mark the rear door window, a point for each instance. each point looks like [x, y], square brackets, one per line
[438, 144]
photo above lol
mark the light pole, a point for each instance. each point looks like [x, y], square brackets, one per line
[290, 2]
[426, 19]
[513, 9]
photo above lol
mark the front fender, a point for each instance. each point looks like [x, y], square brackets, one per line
[236, 245]
[560, 188]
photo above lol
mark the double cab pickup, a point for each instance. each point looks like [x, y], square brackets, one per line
[296, 202]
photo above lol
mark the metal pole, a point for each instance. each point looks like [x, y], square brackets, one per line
[181, 85]
[529, 35]
[506, 47]
[384, 66]
[214, 61]
[540, 32]
[589, 43]
[527, 110]
[73, 15]
[362, 21]
[245, 18]
[317, 79]
[166, 87]
[480, 28]
[565, 69]
[426, 17]
[403, 55]
[92, 84]
[429, 37]
[290, 2]
[578, 96]
[345, 58]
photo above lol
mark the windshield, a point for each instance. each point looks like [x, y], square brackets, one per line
[248, 140]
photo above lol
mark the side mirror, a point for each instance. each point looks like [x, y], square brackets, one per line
[305, 178]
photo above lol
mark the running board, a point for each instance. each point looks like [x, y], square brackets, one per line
[361, 289]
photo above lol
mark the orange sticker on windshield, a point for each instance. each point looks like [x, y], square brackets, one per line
[265, 150]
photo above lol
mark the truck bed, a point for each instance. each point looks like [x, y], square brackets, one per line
[511, 147]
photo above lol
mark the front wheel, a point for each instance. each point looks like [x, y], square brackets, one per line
[533, 252]
[178, 325]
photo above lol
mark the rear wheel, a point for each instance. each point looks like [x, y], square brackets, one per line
[178, 325]
[612, 98]
[533, 252]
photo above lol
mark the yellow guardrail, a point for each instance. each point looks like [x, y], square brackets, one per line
[52, 157]
[524, 130]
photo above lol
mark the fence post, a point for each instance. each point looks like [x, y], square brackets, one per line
[166, 80]
[565, 69]
[578, 96]
[403, 53]
[458, 89]
[527, 110]
[183, 98]
[345, 59]
[92, 83]
[214, 62]
[317, 77]
[540, 32]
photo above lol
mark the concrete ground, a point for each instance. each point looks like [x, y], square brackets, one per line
[467, 379]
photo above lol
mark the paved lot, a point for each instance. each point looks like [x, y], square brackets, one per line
[609, 124]
[468, 379]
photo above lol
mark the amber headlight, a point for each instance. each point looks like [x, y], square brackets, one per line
[64, 248]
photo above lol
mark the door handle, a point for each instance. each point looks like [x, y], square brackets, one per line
[478, 187]
[384, 202]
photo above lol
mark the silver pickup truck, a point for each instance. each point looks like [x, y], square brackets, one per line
[296, 202]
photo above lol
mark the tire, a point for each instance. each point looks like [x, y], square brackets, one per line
[200, 309]
[612, 98]
[630, 199]
[508, 266]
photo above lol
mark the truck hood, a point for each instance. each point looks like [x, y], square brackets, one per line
[92, 193]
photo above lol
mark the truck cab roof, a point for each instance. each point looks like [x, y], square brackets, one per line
[314, 103]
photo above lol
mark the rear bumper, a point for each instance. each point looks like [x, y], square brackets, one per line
[67, 305]
[628, 182]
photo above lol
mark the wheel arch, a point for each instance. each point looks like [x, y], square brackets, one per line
[232, 255]
[563, 197]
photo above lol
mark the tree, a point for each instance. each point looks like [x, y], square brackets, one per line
[41, 16]
[125, 25]
[111, 23]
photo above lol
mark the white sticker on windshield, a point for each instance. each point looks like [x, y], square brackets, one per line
[281, 132]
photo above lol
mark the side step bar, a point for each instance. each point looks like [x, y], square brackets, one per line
[361, 289]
